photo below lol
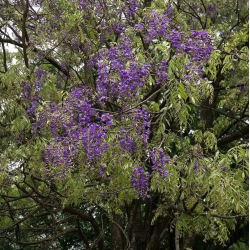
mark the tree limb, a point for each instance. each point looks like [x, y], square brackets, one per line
[222, 113]
[88, 218]
[233, 137]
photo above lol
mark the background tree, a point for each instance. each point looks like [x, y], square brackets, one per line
[124, 124]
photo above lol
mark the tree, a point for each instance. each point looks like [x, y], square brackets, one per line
[124, 124]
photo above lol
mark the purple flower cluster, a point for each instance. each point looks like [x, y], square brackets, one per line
[61, 157]
[19, 136]
[211, 9]
[32, 94]
[108, 29]
[118, 28]
[83, 5]
[119, 73]
[93, 142]
[196, 166]
[140, 181]
[158, 25]
[63, 153]
[139, 26]
[198, 45]
[86, 46]
[169, 10]
[103, 167]
[224, 169]
[159, 161]
[48, 25]
[75, 43]
[41, 76]
[26, 91]
[127, 141]
[161, 71]
[131, 7]
[76, 130]
[142, 124]
[81, 131]
[107, 120]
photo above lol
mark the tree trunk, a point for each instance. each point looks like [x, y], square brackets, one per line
[177, 239]
[207, 112]
[116, 232]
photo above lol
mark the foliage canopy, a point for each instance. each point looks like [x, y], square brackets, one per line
[123, 124]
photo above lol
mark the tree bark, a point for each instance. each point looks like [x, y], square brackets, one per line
[207, 115]
[177, 239]
[116, 233]
[235, 136]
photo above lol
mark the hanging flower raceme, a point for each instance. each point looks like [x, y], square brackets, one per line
[130, 8]
[31, 93]
[142, 124]
[159, 161]
[77, 128]
[140, 182]
[119, 73]
[62, 153]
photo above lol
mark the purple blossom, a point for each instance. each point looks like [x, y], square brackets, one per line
[142, 124]
[127, 142]
[140, 181]
[107, 119]
[196, 167]
[211, 9]
[139, 26]
[161, 71]
[75, 130]
[75, 43]
[118, 28]
[159, 161]
[118, 78]
[64, 65]
[224, 169]
[242, 88]
[31, 94]
[131, 7]
[103, 167]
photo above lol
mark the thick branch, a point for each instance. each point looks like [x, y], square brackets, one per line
[159, 227]
[233, 137]
[180, 209]
[222, 113]
[49, 59]
[82, 236]
[4, 58]
[90, 219]
[20, 221]
[197, 202]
